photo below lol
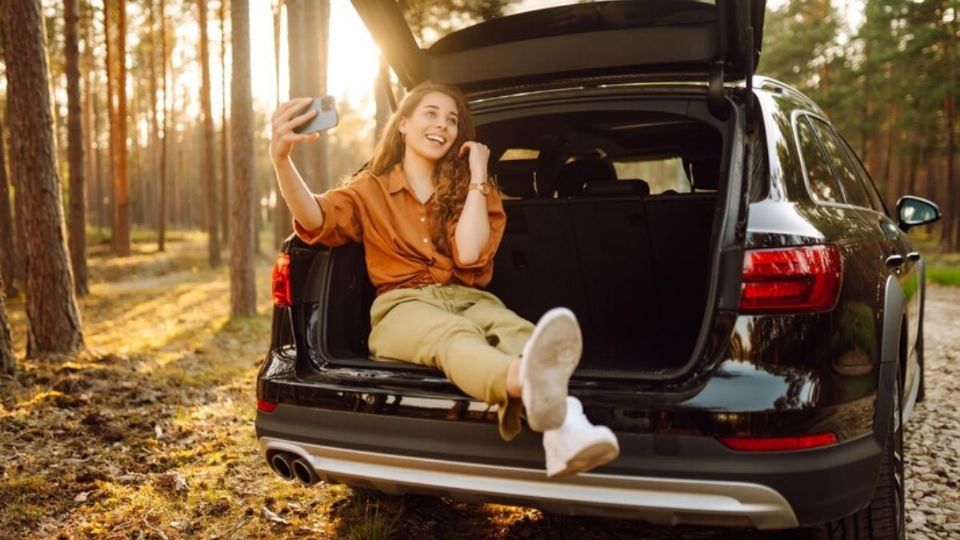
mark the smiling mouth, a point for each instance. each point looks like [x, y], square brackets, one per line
[437, 139]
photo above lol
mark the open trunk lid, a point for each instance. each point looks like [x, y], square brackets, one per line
[718, 39]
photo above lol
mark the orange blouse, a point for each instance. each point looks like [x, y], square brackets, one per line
[384, 213]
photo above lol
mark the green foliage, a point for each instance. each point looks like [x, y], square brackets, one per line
[888, 85]
[944, 275]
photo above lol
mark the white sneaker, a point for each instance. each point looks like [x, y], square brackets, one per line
[548, 360]
[578, 446]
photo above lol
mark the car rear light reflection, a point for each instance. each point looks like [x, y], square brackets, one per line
[281, 281]
[779, 444]
[266, 406]
[796, 279]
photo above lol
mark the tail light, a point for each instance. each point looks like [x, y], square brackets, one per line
[266, 406]
[796, 279]
[281, 281]
[779, 444]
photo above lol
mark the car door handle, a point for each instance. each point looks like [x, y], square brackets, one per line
[895, 261]
[913, 256]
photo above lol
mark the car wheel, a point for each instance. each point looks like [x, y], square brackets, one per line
[884, 518]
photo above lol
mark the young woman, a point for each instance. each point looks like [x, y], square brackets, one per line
[431, 222]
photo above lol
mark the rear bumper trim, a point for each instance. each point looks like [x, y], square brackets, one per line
[657, 500]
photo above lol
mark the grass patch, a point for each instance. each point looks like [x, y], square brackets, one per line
[944, 275]
[23, 501]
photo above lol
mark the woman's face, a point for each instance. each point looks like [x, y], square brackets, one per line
[432, 127]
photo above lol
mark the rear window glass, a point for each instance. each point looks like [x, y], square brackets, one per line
[853, 188]
[516, 154]
[663, 175]
[820, 178]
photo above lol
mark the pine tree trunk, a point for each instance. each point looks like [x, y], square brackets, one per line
[281, 215]
[8, 254]
[164, 144]
[315, 32]
[89, 97]
[224, 130]
[53, 318]
[117, 104]
[243, 292]
[8, 364]
[297, 18]
[209, 174]
[78, 192]
[951, 240]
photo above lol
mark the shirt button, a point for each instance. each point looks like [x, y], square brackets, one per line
[425, 240]
[423, 219]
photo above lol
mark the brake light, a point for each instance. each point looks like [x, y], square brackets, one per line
[779, 444]
[281, 281]
[266, 406]
[797, 279]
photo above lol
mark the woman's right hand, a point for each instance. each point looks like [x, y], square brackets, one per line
[288, 116]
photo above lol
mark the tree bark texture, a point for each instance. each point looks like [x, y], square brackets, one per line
[115, 14]
[243, 292]
[162, 207]
[53, 318]
[210, 180]
[89, 98]
[77, 228]
[8, 364]
[8, 255]
[224, 129]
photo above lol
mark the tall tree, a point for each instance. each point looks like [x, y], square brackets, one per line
[209, 180]
[8, 255]
[164, 143]
[90, 97]
[78, 193]
[52, 314]
[7, 362]
[115, 23]
[243, 291]
[224, 129]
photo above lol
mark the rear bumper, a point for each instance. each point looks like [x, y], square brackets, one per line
[663, 501]
[657, 478]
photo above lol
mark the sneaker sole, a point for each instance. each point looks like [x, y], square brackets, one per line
[550, 371]
[591, 457]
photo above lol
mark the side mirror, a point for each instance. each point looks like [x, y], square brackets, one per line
[913, 211]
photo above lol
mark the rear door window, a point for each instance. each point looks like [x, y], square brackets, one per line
[868, 184]
[853, 188]
[820, 178]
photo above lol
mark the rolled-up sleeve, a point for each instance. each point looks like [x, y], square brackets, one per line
[498, 220]
[341, 209]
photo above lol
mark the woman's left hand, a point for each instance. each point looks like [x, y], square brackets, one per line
[479, 154]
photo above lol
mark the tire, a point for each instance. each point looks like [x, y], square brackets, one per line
[922, 390]
[884, 518]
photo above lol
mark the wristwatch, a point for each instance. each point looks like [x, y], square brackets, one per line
[482, 187]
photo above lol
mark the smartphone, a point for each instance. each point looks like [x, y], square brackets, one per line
[325, 118]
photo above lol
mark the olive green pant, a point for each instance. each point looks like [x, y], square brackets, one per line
[465, 332]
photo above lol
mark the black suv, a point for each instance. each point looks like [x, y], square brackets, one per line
[751, 312]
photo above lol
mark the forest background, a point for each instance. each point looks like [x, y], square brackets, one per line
[134, 163]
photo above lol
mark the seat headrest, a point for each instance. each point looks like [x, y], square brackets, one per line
[706, 172]
[574, 175]
[517, 183]
[619, 187]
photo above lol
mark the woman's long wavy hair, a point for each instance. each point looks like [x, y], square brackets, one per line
[451, 176]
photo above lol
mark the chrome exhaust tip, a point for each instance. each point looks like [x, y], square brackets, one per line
[304, 472]
[282, 463]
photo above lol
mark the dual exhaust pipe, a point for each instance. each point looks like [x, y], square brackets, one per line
[291, 466]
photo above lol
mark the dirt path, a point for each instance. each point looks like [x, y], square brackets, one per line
[150, 435]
